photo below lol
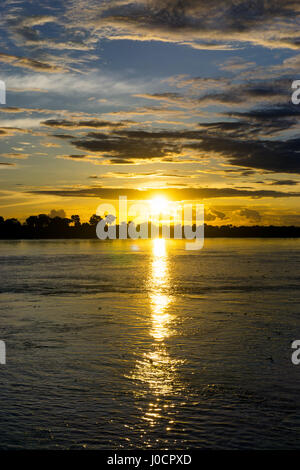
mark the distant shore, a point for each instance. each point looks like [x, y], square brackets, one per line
[44, 227]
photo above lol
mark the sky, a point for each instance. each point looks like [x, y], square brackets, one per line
[186, 99]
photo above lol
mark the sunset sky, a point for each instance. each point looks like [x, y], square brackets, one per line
[188, 99]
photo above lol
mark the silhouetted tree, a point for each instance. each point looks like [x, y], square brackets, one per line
[43, 221]
[12, 223]
[59, 223]
[32, 222]
[95, 219]
[76, 220]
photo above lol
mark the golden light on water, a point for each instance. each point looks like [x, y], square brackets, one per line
[159, 299]
[159, 250]
[156, 369]
[160, 319]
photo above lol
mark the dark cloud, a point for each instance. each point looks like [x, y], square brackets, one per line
[249, 92]
[63, 136]
[226, 93]
[217, 24]
[130, 146]
[249, 128]
[214, 24]
[276, 156]
[92, 123]
[198, 23]
[263, 114]
[267, 120]
[251, 214]
[174, 194]
[238, 146]
[284, 183]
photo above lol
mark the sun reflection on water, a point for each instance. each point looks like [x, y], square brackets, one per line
[159, 289]
[156, 369]
[159, 247]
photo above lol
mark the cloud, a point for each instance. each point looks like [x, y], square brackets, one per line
[169, 97]
[174, 194]
[4, 164]
[27, 63]
[213, 25]
[196, 83]
[36, 20]
[50, 145]
[92, 124]
[284, 183]
[17, 156]
[75, 85]
[57, 213]
[135, 175]
[21, 124]
[237, 64]
[19, 110]
[74, 157]
[26, 30]
[12, 109]
[251, 214]
[156, 111]
[214, 215]
[234, 142]
[198, 24]
[63, 136]
[11, 131]
[268, 119]
[127, 146]
[271, 155]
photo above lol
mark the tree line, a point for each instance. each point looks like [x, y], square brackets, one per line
[44, 226]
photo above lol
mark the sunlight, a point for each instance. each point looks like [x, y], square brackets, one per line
[157, 369]
[159, 205]
[160, 319]
[159, 282]
[159, 249]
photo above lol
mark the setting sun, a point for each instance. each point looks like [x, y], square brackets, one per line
[159, 205]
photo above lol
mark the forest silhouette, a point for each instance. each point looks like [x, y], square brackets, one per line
[43, 226]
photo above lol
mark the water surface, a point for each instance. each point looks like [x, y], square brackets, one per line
[136, 344]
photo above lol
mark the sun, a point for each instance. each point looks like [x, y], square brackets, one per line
[158, 205]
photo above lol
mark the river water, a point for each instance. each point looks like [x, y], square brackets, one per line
[142, 344]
